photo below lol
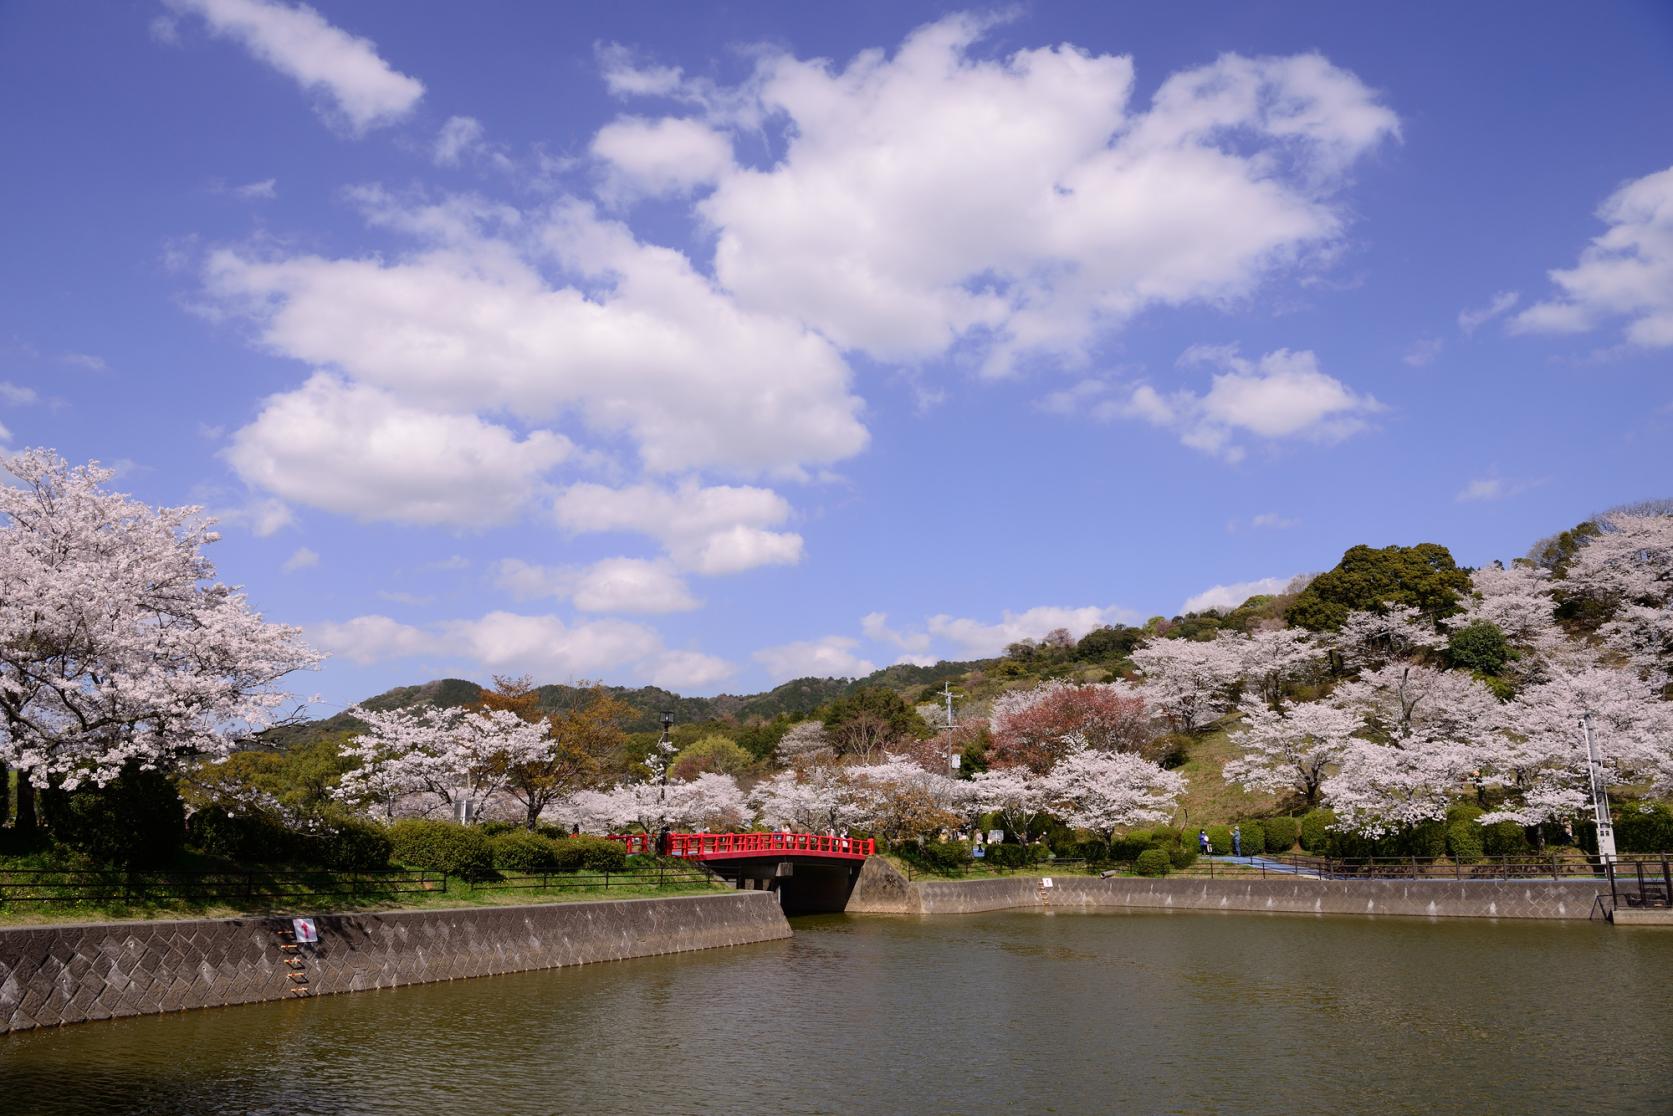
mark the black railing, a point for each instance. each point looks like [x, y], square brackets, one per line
[63, 886]
[1641, 882]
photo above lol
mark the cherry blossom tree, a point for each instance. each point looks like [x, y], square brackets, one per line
[117, 644]
[1102, 791]
[908, 802]
[814, 799]
[1371, 639]
[711, 802]
[1291, 748]
[1018, 795]
[444, 757]
[1424, 735]
[1188, 681]
[1272, 658]
[805, 742]
[1033, 726]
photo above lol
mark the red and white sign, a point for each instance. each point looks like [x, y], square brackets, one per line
[305, 930]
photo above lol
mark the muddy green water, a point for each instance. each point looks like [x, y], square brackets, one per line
[1007, 1013]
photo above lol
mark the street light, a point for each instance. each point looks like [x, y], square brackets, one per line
[1600, 795]
[665, 752]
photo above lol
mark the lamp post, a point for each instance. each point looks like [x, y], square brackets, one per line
[1600, 795]
[664, 754]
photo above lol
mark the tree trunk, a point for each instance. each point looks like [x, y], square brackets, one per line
[26, 820]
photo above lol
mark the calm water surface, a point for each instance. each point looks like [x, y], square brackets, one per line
[1011, 1013]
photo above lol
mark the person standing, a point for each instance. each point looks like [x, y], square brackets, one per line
[1237, 840]
[1202, 841]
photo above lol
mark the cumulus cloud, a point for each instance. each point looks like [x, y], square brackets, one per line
[1471, 320]
[1423, 352]
[718, 529]
[981, 639]
[830, 657]
[1225, 597]
[687, 670]
[1283, 395]
[360, 451]
[876, 627]
[299, 43]
[372, 639]
[932, 197]
[301, 558]
[1627, 272]
[458, 136]
[657, 157]
[633, 585]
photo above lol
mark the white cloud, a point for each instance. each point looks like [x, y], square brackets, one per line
[459, 136]
[830, 657]
[85, 360]
[1022, 204]
[547, 647]
[301, 559]
[656, 157]
[876, 627]
[1471, 320]
[359, 451]
[1223, 597]
[396, 596]
[1627, 272]
[687, 670]
[1265, 521]
[372, 639]
[976, 639]
[1283, 395]
[1482, 488]
[16, 395]
[651, 350]
[449, 564]
[262, 516]
[717, 529]
[1423, 352]
[265, 190]
[633, 585]
[299, 43]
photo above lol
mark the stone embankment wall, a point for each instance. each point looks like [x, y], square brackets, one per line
[70, 974]
[876, 892]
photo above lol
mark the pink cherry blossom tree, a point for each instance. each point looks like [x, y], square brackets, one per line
[1102, 791]
[1291, 748]
[117, 644]
[1032, 726]
[1018, 795]
[814, 799]
[430, 759]
[1188, 681]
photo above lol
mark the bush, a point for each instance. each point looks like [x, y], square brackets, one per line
[1281, 834]
[1254, 838]
[1126, 849]
[1643, 827]
[595, 854]
[1166, 835]
[443, 846]
[522, 850]
[1464, 837]
[1152, 862]
[1504, 838]
[943, 856]
[353, 845]
[497, 828]
[1180, 856]
[1425, 840]
[1095, 852]
[1220, 839]
[245, 838]
[1013, 855]
[1480, 646]
[136, 820]
[1315, 831]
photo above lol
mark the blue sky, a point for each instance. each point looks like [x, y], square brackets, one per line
[716, 345]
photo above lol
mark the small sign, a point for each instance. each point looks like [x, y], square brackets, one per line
[996, 836]
[978, 852]
[1045, 881]
[306, 931]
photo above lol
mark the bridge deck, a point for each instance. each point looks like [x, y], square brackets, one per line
[737, 846]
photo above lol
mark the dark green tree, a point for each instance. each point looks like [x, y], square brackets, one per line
[1367, 578]
[1480, 646]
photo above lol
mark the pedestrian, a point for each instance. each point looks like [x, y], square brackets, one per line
[1237, 840]
[1202, 840]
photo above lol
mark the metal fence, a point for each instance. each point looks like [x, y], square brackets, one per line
[58, 886]
[664, 875]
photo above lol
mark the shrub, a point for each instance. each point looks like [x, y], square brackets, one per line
[353, 844]
[1166, 834]
[1315, 831]
[522, 850]
[1643, 827]
[1464, 837]
[1425, 840]
[595, 854]
[1094, 851]
[1504, 838]
[446, 847]
[943, 856]
[1180, 856]
[1013, 855]
[1152, 862]
[1254, 838]
[1281, 834]
[1126, 849]
[1220, 839]
[136, 820]
[247, 838]
[497, 828]
[1480, 646]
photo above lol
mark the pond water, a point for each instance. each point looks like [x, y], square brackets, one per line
[1009, 1012]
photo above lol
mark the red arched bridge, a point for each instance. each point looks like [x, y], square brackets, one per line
[809, 871]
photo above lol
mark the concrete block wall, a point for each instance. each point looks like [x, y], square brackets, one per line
[51, 975]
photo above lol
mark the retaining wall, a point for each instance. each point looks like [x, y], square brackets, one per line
[70, 974]
[877, 892]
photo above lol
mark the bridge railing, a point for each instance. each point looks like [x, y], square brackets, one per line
[698, 846]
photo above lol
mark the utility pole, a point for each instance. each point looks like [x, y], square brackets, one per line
[664, 757]
[952, 756]
[1600, 796]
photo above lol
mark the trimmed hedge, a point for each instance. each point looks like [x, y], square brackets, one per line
[1011, 855]
[136, 820]
[1126, 849]
[1464, 836]
[521, 850]
[246, 838]
[1643, 827]
[1505, 838]
[352, 844]
[1220, 839]
[443, 846]
[1315, 831]
[594, 854]
[1281, 834]
[1152, 862]
[1180, 856]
